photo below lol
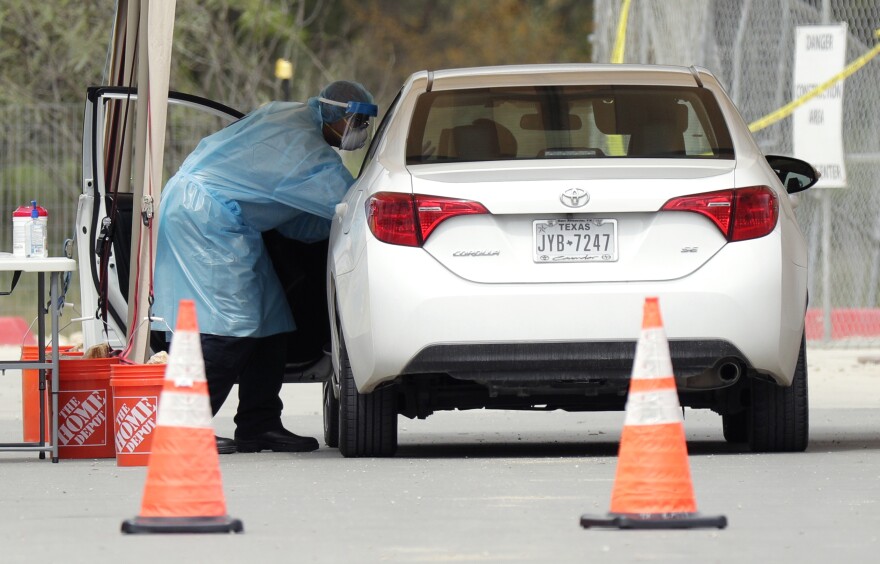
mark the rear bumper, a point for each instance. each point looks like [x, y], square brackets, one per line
[509, 367]
[431, 320]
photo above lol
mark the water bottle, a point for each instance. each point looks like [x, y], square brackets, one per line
[36, 241]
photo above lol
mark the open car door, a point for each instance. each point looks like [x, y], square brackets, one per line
[104, 226]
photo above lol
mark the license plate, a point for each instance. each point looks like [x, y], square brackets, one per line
[575, 240]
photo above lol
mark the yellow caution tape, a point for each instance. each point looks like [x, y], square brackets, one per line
[620, 41]
[789, 108]
[615, 142]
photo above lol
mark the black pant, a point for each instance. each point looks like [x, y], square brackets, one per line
[257, 364]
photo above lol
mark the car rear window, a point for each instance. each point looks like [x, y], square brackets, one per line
[567, 122]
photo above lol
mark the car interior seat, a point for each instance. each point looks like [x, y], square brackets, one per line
[483, 140]
[657, 128]
[445, 150]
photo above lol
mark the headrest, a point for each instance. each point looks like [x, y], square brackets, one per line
[622, 114]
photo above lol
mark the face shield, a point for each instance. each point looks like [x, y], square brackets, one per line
[358, 127]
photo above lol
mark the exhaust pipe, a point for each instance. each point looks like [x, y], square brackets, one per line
[729, 372]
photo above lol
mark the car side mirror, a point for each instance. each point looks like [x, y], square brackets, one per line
[796, 175]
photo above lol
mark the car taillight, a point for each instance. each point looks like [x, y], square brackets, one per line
[408, 219]
[741, 214]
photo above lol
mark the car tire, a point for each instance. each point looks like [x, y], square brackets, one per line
[779, 416]
[736, 427]
[331, 416]
[367, 422]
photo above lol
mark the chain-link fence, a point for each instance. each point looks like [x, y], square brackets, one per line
[41, 159]
[749, 45]
[40, 154]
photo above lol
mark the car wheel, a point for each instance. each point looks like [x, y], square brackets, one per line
[367, 422]
[779, 415]
[736, 427]
[331, 416]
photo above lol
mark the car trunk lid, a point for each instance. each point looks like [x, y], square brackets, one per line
[531, 209]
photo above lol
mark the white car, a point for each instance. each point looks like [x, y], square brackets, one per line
[507, 225]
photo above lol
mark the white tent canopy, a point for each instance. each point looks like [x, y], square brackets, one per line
[141, 57]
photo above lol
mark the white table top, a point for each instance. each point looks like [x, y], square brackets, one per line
[9, 263]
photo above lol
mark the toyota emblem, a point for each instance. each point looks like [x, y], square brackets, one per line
[575, 197]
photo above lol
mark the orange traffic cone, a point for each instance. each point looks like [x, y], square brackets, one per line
[184, 490]
[652, 488]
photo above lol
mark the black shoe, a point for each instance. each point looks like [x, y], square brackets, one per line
[224, 445]
[279, 440]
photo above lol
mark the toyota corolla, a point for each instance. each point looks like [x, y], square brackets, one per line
[507, 225]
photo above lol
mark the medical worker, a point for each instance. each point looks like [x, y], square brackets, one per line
[275, 168]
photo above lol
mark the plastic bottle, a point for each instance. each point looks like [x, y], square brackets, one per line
[35, 235]
[20, 219]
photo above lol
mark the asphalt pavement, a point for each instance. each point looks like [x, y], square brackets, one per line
[476, 486]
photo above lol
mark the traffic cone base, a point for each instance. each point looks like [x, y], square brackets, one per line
[143, 525]
[652, 486]
[653, 521]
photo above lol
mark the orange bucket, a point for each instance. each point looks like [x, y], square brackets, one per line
[84, 400]
[30, 393]
[136, 391]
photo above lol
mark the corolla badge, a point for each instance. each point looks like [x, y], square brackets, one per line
[575, 197]
[486, 253]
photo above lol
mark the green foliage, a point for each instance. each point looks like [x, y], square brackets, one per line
[226, 49]
[395, 38]
[49, 51]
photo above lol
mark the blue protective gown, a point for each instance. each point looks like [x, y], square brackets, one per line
[272, 169]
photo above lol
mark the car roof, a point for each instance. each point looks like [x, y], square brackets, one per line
[559, 74]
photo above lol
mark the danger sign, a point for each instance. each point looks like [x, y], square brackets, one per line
[820, 54]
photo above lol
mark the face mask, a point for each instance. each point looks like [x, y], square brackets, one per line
[354, 139]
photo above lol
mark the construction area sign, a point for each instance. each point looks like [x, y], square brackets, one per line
[820, 53]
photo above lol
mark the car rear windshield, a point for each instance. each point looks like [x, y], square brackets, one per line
[567, 122]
